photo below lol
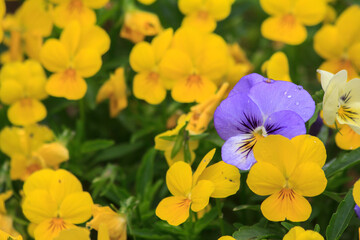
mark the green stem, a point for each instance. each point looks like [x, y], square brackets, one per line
[82, 120]
[221, 216]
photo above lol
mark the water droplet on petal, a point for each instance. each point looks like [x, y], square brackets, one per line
[315, 141]
[300, 87]
[289, 96]
[297, 103]
[285, 92]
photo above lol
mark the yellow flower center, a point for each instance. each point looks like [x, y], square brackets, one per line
[26, 102]
[202, 15]
[194, 79]
[32, 168]
[69, 74]
[153, 77]
[75, 5]
[57, 225]
[259, 133]
[288, 20]
[287, 193]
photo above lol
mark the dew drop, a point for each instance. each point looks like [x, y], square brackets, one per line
[297, 103]
[285, 93]
[289, 96]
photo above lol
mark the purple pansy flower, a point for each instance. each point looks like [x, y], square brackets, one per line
[256, 108]
[357, 210]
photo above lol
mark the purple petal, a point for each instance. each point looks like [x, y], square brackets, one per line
[247, 82]
[286, 123]
[357, 211]
[280, 95]
[237, 115]
[232, 153]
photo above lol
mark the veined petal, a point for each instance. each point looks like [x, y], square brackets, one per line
[38, 206]
[174, 210]
[26, 111]
[202, 165]
[142, 57]
[87, 62]
[76, 207]
[310, 149]
[175, 65]
[50, 228]
[200, 195]
[286, 204]
[274, 7]
[265, 179]
[54, 56]
[285, 28]
[347, 138]
[68, 84]
[78, 233]
[308, 180]
[327, 42]
[148, 86]
[226, 179]
[179, 179]
[310, 12]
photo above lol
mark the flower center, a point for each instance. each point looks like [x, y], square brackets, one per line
[193, 79]
[75, 5]
[289, 20]
[69, 74]
[259, 133]
[203, 15]
[57, 225]
[287, 193]
[26, 102]
[153, 77]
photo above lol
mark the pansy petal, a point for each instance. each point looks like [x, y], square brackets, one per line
[38, 205]
[310, 148]
[174, 210]
[39, 180]
[179, 179]
[308, 180]
[281, 95]
[327, 42]
[225, 177]
[161, 43]
[74, 234]
[265, 179]
[247, 82]
[277, 208]
[49, 230]
[356, 192]
[96, 38]
[237, 114]
[237, 151]
[26, 112]
[276, 7]
[347, 138]
[189, 6]
[310, 12]
[87, 62]
[95, 3]
[67, 84]
[200, 195]
[203, 164]
[70, 37]
[325, 78]
[294, 233]
[348, 24]
[142, 57]
[54, 56]
[11, 91]
[148, 86]
[354, 54]
[336, 65]
[286, 123]
[176, 64]
[63, 15]
[76, 207]
[278, 67]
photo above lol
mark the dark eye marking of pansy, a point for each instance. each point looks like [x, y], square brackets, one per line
[346, 97]
[247, 145]
[251, 123]
[271, 128]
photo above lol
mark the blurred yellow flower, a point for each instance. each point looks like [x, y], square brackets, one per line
[26, 31]
[339, 44]
[203, 14]
[77, 55]
[30, 149]
[149, 84]
[76, 10]
[2, 13]
[239, 65]
[298, 233]
[193, 191]
[168, 145]
[6, 222]
[288, 170]
[77, 233]
[347, 138]
[226, 238]
[356, 192]
[114, 223]
[22, 87]
[277, 67]
[202, 113]
[6, 236]
[289, 18]
[195, 65]
[55, 201]
[115, 90]
[139, 24]
[147, 2]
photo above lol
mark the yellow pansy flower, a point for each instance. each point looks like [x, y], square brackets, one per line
[22, 87]
[2, 13]
[239, 65]
[195, 64]
[203, 14]
[6, 222]
[277, 67]
[347, 138]
[298, 233]
[5, 236]
[80, 233]
[75, 56]
[55, 201]
[149, 84]
[226, 238]
[289, 18]
[26, 31]
[202, 113]
[194, 190]
[139, 24]
[356, 192]
[114, 223]
[76, 10]
[147, 2]
[288, 171]
[339, 44]
[115, 90]
[30, 149]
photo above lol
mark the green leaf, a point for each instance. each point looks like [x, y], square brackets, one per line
[315, 116]
[333, 195]
[341, 218]
[317, 228]
[199, 136]
[150, 234]
[342, 163]
[287, 225]
[144, 175]
[205, 220]
[117, 151]
[96, 145]
[254, 233]
[318, 96]
[169, 138]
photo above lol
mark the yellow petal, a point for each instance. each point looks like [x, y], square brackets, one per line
[149, 87]
[200, 195]
[278, 151]
[327, 42]
[189, 6]
[195, 88]
[201, 21]
[347, 138]
[179, 157]
[308, 180]
[21, 167]
[11, 91]
[174, 210]
[5, 236]
[10, 141]
[74, 234]
[337, 65]
[63, 14]
[310, 12]
[202, 165]
[161, 43]
[274, 7]
[68, 84]
[280, 206]
[219, 10]
[354, 54]
[310, 235]
[142, 57]
[95, 3]
[53, 154]
[54, 56]
[49, 229]
[265, 179]
[294, 233]
[103, 233]
[179, 179]
[348, 25]
[26, 111]
[38, 206]
[94, 37]
[278, 67]
[226, 238]
[310, 148]
[286, 29]
[39, 180]
[87, 62]
[3, 197]
[70, 37]
[76, 207]
[356, 192]
[226, 179]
